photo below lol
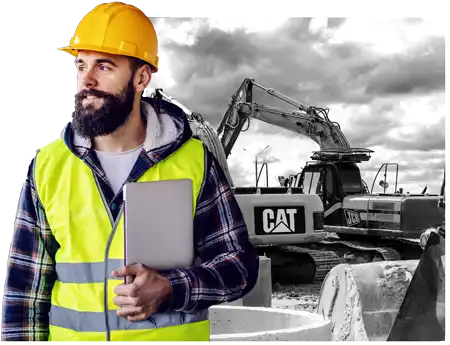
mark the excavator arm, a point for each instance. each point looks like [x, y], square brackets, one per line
[312, 122]
[309, 121]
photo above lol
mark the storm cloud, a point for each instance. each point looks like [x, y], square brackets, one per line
[299, 63]
[420, 71]
[309, 66]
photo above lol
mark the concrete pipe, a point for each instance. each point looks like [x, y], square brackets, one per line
[234, 323]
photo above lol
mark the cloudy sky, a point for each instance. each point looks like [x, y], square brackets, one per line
[383, 81]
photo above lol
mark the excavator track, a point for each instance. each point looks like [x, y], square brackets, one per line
[324, 261]
[409, 248]
[388, 254]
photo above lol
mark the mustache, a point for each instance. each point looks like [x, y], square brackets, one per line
[91, 92]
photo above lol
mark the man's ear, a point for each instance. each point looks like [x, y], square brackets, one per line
[142, 78]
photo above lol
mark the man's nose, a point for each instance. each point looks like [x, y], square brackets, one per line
[88, 80]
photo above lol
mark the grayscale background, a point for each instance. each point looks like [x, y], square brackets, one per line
[384, 82]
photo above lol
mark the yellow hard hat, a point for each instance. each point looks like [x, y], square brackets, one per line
[116, 28]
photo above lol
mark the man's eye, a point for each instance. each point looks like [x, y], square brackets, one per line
[104, 68]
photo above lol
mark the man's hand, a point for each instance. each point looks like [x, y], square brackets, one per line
[141, 298]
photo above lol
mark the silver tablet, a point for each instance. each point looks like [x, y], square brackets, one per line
[158, 220]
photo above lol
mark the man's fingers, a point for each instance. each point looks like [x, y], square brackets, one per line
[129, 310]
[125, 301]
[122, 289]
[132, 270]
[139, 317]
[129, 279]
[143, 315]
[131, 290]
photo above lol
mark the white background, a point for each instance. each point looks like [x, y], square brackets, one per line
[38, 82]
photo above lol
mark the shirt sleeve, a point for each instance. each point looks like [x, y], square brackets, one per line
[30, 273]
[229, 263]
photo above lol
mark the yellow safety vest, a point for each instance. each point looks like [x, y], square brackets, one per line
[82, 225]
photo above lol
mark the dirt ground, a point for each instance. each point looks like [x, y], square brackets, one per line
[300, 297]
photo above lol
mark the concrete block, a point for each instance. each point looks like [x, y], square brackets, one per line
[261, 294]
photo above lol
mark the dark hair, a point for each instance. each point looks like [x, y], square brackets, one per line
[136, 63]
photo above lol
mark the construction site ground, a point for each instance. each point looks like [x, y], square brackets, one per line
[300, 297]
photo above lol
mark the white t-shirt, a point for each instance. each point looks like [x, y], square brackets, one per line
[117, 166]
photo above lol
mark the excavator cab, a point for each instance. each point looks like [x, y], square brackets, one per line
[332, 182]
[385, 183]
[333, 174]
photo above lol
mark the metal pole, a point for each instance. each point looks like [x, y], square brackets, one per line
[256, 171]
[256, 163]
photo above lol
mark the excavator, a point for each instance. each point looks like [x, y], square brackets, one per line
[324, 215]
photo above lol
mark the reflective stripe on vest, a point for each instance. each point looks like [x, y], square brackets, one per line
[95, 322]
[91, 247]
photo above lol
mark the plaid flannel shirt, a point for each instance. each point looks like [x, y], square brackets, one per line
[229, 266]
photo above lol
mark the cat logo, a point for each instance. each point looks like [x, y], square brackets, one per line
[352, 217]
[279, 220]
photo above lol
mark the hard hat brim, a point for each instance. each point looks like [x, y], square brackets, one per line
[69, 50]
[74, 52]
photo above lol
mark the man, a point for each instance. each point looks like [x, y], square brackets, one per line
[61, 281]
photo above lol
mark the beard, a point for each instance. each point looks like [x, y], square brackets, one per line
[89, 122]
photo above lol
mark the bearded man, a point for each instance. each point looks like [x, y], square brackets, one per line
[58, 268]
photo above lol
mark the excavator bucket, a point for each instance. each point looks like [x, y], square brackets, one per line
[422, 314]
[387, 300]
[362, 300]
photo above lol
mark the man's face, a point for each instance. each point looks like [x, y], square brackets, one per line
[105, 94]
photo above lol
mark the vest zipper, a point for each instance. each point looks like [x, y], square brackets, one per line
[114, 225]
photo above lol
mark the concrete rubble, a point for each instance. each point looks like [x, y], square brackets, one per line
[363, 303]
